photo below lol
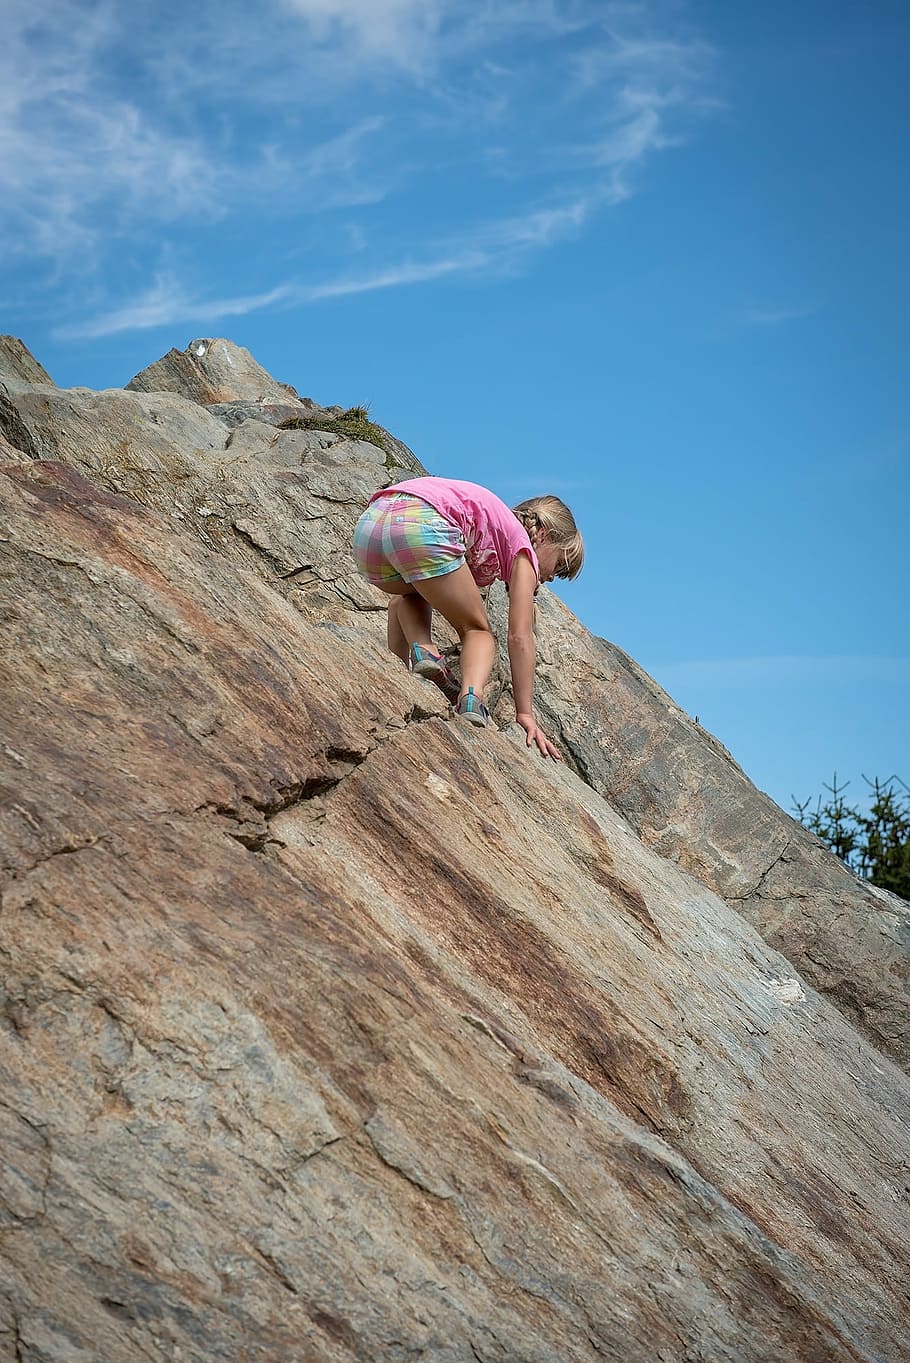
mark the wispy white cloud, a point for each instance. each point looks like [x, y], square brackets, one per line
[772, 317]
[652, 87]
[72, 145]
[167, 303]
[87, 156]
[489, 247]
[634, 53]
[542, 226]
[122, 134]
[730, 674]
[394, 277]
[420, 37]
[343, 153]
[403, 33]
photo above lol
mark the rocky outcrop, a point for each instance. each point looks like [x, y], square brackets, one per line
[212, 371]
[19, 364]
[332, 1029]
[688, 799]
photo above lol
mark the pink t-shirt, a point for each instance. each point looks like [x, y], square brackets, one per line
[492, 532]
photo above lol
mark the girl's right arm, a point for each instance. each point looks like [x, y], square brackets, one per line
[523, 652]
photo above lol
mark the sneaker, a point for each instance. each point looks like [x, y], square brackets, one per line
[435, 669]
[472, 708]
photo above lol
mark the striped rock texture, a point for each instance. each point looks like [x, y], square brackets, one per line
[333, 1029]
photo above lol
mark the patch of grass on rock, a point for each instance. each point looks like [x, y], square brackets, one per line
[354, 424]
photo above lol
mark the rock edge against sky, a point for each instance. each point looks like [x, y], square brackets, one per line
[334, 1029]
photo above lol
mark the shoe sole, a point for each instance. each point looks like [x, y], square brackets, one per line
[432, 672]
[475, 717]
[477, 714]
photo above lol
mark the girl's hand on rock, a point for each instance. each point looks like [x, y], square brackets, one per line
[536, 735]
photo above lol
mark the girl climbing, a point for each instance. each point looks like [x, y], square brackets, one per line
[431, 544]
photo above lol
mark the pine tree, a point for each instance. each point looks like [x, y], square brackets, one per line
[874, 844]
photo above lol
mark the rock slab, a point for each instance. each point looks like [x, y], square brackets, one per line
[332, 1029]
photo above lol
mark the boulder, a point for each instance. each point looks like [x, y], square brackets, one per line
[212, 371]
[18, 363]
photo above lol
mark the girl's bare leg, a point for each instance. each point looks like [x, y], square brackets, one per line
[395, 635]
[457, 597]
[399, 643]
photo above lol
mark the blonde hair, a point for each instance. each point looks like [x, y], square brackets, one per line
[551, 515]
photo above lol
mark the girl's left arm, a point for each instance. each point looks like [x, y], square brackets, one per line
[523, 652]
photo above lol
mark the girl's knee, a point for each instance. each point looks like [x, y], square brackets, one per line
[478, 626]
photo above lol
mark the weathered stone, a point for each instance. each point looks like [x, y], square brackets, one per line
[17, 362]
[332, 1029]
[287, 507]
[272, 413]
[9, 454]
[690, 801]
[253, 439]
[14, 432]
[212, 371]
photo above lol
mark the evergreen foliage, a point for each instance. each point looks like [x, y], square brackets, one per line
[874, 843]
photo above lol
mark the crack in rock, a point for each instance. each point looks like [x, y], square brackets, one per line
[251, 818]
[69, 849]
[394, 1152]
[756, 889]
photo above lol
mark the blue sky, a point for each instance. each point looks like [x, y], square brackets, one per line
[649, 255]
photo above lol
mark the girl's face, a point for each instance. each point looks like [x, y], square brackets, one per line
[550, 557]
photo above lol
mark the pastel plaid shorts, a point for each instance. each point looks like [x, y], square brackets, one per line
[400, 538]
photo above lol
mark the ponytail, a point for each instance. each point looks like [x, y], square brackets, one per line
[547, 518]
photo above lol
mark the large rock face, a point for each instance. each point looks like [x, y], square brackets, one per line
[335, 1030]
[687, 798]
